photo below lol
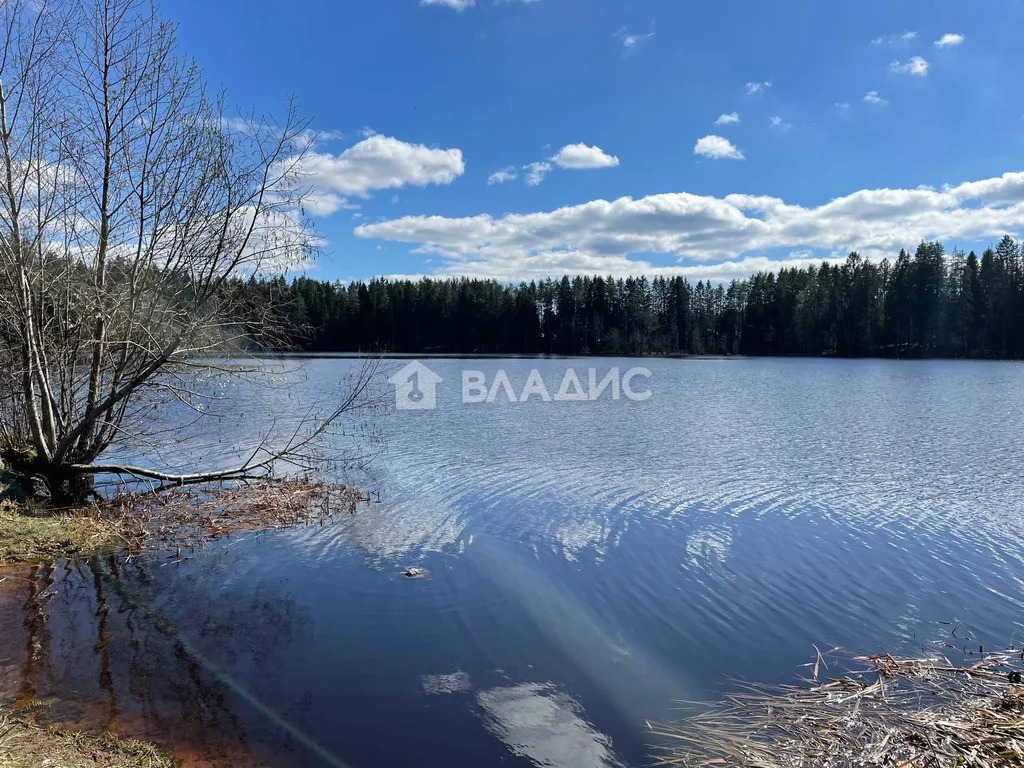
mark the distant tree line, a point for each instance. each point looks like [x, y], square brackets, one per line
[924, 304]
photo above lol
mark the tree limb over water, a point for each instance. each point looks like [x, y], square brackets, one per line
[128, 200]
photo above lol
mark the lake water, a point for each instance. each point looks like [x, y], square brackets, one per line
[589, 564]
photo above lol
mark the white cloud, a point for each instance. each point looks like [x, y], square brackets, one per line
[458, 5]
[580, 156]
[915, 65]
[844, 106]
[728, 119]
[949, 40]
[717, 147]
[377, 162]
[630, 42]
[535, 172]
[872, 97]
[755, 88]
[322, 203]
[722, 237]
[903, 37]
[502, 175]
[461, 5]
[777, 123]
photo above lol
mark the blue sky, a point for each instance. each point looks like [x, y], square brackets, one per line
[420, 104]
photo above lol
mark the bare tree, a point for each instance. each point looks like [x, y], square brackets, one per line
[127, 203]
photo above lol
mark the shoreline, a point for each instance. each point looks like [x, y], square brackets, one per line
[24, 744]
[171, 520]
[30, 535]
[41, 548]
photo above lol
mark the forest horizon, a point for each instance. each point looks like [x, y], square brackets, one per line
[928, 303]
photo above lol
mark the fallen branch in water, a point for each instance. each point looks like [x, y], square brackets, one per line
[897, 713]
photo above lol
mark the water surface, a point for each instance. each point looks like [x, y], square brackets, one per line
[588, 563]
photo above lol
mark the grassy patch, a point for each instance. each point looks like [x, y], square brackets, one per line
[23, 745]
[172, 520]
[28, 535]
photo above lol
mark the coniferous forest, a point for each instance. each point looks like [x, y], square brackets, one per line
[925, 304]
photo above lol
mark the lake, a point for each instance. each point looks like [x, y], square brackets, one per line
[588, 564]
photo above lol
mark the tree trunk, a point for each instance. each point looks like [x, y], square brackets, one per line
[59, 485]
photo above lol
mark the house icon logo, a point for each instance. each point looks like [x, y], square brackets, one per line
[415, 387]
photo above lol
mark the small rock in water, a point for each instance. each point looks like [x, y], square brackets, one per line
[412, 572]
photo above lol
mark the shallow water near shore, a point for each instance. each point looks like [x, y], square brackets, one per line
[586, 565]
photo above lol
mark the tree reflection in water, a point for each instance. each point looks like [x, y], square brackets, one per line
[84, 647]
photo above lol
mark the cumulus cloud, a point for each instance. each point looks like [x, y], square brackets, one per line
[535, 172]
[580, 156]
[844, 106]
[872, 97]
[377, 162]
[949, 40]
[728, 119]
[717, 147]
[755, 88]
[502, 175]
[915, 65]
[721, 237]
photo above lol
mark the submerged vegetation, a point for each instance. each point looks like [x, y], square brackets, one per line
[920, 713]
[922, 304]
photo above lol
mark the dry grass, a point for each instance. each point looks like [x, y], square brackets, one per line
[897, 713]
[29, 535]
[175, 520]
[23, 745]
[187, 518]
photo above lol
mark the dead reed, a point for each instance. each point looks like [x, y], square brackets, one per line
[184, 519]
[891, 712]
